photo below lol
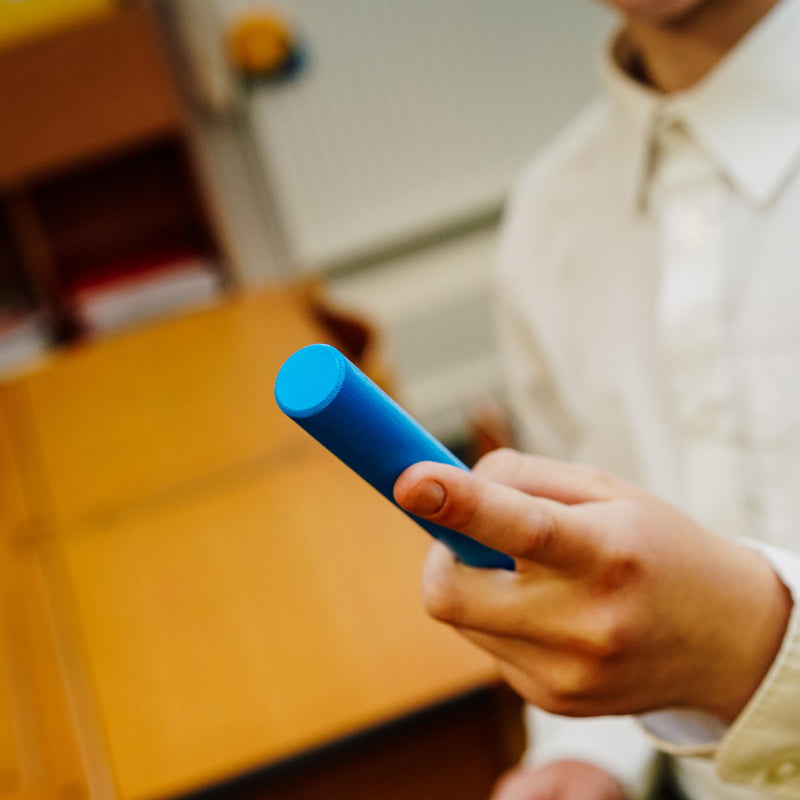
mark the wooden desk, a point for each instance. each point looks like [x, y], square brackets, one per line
[229, 595]
[39, 747]
[108, 424]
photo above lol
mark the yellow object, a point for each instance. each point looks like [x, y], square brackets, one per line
[260, 43]
[23, 19]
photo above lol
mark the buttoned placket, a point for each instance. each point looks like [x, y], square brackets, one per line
[687, 201]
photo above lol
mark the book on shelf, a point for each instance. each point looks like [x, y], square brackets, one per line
[121, 294]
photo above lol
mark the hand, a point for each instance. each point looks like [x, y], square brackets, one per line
[559, 780]
[619, 603]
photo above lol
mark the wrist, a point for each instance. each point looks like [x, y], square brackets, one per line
[758, 608]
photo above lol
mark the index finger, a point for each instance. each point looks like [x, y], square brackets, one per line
[522, 526]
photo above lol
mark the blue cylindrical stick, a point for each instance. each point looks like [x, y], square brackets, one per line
[330, 398]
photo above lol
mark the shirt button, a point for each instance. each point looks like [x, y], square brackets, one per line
[784, 770]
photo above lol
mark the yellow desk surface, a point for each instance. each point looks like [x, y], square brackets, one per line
[234, 595]
[106, 424]
[255, 621]
[39, 747]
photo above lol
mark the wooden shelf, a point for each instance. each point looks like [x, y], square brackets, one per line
[89, 90]
[97, 180]
[142, 202]
[16, 290]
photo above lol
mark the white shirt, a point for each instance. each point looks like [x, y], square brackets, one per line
[649, 298]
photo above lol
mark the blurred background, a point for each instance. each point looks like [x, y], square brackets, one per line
[196, 601]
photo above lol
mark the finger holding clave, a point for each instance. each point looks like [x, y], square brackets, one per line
[333, 401]
[534, 529]
[565, 482]
[484, 600]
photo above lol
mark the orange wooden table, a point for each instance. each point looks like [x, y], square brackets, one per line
[226, 595]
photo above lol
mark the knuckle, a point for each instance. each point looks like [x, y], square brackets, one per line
[609, 628]
[619, 572]
[499, 465]
[608, 638]
[575, 686]
[440, 598]
[540, 535]
[596, 477]
[634, 515]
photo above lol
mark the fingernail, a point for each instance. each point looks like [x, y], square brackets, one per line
[426, 498]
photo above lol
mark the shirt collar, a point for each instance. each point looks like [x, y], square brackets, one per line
[637, 108]
[745, 113]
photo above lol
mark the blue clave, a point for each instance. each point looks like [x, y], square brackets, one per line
[331, 399]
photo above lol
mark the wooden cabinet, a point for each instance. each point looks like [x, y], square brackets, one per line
[97, 181]
[77, 94]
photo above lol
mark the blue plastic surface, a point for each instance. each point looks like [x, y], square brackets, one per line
[331, 399]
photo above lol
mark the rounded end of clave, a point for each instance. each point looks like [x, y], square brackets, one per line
[309, 380]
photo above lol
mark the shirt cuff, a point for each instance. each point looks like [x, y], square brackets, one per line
[615, 744]
[762, 747]
[682, 732]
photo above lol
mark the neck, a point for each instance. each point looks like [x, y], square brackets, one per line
[675, 55]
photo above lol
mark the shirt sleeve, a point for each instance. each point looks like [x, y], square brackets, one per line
[615, 744]
[762, 746]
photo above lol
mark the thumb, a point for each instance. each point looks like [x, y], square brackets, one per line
[523, 527]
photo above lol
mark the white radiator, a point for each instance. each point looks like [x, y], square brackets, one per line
[412, 115]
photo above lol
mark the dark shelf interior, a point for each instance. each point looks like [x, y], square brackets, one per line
[16, 292]
[98, 188]
[121, 213]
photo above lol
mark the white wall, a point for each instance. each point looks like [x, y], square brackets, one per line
[401, 136]
[412, 115]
